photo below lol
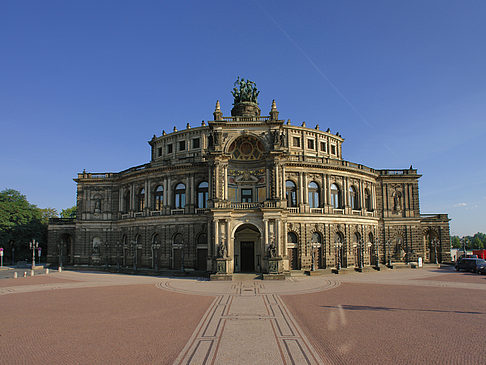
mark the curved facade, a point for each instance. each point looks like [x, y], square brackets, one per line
[248, 193]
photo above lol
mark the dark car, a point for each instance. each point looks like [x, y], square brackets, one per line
[482, 269]
[469, 264]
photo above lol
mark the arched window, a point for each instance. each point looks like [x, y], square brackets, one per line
[353, 198]
[202, 195]
[314, 198]
[202, 239]
[159, 197]
[368, 205]
[335, 196]
[291, 193]
[316, 239]
[180, 196]
[141, 200]
[155, 239]
[357, 237]
[292, 238]
[126, 201]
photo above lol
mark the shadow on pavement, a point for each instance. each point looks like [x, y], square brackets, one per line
[373, 308]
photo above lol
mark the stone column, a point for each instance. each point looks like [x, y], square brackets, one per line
[168, 202]
[147, 196]
[132, 197]
[277, 237]
[268, 183]
[225, 184]
[216, 235]
[282, 183]
[265, 223]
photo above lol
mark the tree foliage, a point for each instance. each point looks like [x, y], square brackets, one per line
[478, 241]
[69, 212]
[20, 222]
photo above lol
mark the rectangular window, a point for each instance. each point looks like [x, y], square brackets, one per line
[296, 142]
[169, 148]
[310, 144]
[195, 143]
[246, 195]
[159, 151]
[333, 149]
[323, 146]
[182, 145]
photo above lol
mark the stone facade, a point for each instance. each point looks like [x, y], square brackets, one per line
[248, 193]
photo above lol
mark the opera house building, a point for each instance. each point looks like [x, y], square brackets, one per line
[248, 193]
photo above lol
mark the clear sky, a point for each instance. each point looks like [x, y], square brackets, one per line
[85, 84]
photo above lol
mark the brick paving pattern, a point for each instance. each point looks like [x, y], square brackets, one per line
[427, 316]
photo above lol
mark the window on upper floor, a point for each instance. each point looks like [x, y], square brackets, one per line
[291, 193]
[196, 143]
[368, 202]
[292, 238]
[202, 194]
[335, 196]
[182, 145]
[159, 151]
[296, 141]
[314, 198]
[169, 148]
[310, 144]
[141, 200]
[333, 149]
[180, 196]
[353, 198]
[159, 197]
[323, 147]
[246, 195]
[126, 201]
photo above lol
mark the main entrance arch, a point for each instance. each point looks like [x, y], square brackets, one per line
[247, 249]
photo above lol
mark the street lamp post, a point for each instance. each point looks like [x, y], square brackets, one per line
[388, 244]
[182, 256]
[377, 258]
[106, 254]
[155, 255]
[314, 246]
[34, 245]
[435, 242]
[134, 245]
[338, 246]
[118, 245]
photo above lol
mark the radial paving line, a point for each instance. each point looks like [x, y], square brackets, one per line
[248, 326]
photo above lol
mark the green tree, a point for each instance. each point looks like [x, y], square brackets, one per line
[20, 222]
[47, 213]
[456, 242]
[69, 212]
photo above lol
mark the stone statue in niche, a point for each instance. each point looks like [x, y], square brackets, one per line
[222, 252]
[272, 249]
[97, 205]
[397, 201]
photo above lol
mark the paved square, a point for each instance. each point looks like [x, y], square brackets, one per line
[427, 316]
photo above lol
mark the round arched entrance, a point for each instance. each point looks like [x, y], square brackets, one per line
[247, 249]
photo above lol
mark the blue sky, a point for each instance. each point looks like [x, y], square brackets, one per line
[85, 85]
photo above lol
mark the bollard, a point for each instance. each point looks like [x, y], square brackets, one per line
[15, 275]
[47, 271]
[60, 269]
[31, 272]
[25, 274]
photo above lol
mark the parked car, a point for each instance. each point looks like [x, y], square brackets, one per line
[482, 269]
[469, 264]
